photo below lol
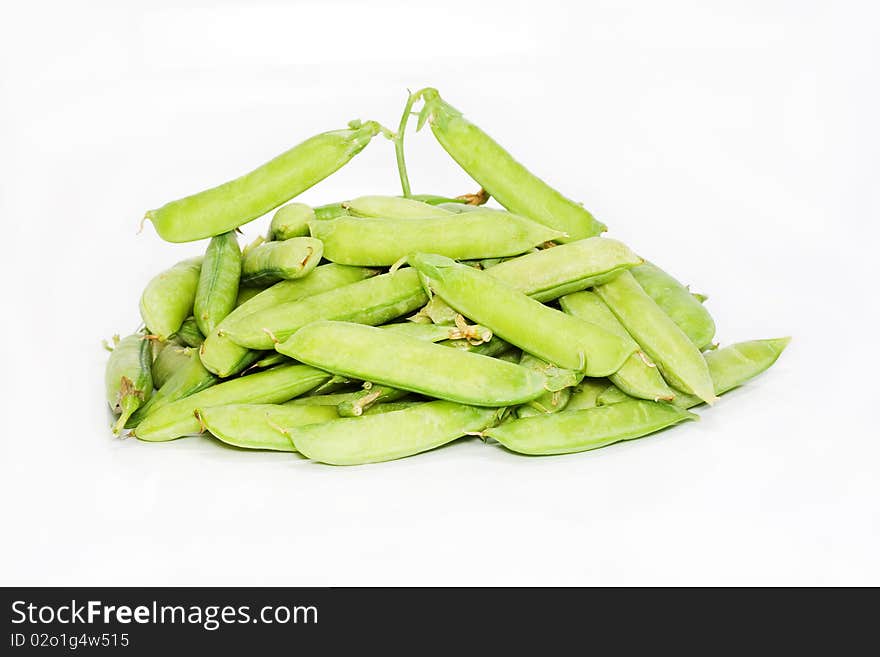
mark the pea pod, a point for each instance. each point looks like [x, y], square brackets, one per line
[362, 401]
[522, 321]
[245, 294]
[680, 362]
[392, 207]
[578, 431]
[388, 436]
[225, 358]
[127, 377]
[291, 220]
[586, 394]
[508, 181]
[260, 426]
[169, 297]
[461, 330]
[218, 282]
[683, 308]
[188, 379]
[383, 242]
[559, 384]
[189, 333]
[637, 376]
[270, 387]
[407, 363]
[330, 211]
[372, 301]
[271, 262]
[232, 204]
[169, 360]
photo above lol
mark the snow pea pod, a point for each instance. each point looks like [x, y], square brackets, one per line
[586, 394]
[271, 262]
[382, 242]
[188, 379]
[522, 321]
[225, 358]
[461, 330]
[127, 377]
[508, 181]
[578, 431]
[189, 333]
[683, 308]
[362, 401]
[228, 206]
[270, 387]
[387, 436]
[559, 384]
[260, 426]
[407, 363]
[169, 297]
[637, 376]
[245, 294]
[291, 220]
[218, 282]
[393, 207]
[680, 362]
[372, 301]
[169, 360]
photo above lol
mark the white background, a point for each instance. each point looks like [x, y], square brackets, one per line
[736, 144]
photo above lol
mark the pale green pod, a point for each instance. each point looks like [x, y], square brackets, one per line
[372, 301]
[559, 384]
[291, 220]
[406, 363]
[224, 357]
[387, 436]
[522, 321]
[680, 362]
[333, 399]
[127, 377]
[461, 330]
[271, 262]
[270, 387]
[245, 294]
[169, 297]
[383, 242]
[549, 402]
[169, 360]
[189, 333]
[362, 401]
[578, 431]
[586, 394]
[187, 379]
[393, 207]
[683, 307]
[638, 376]
[228, 206]
[218, 282]
[260, 426]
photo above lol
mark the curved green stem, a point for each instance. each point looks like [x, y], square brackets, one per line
[398, 144]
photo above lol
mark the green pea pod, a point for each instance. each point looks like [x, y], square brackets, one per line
[286, 260]
[169, 297]
[393, 207]
[474, 333]
[189, 333]
[218, 282]
[586, 394]
[549, 402]
[330, 211]
[383, 242]
[362, 401]
[637, 376]
[372, 301]
[400, 361]
[522, 321]
[496, 347]
[508, 181]
[188, 379]
[224, 357]
[127, 377]
[333, 399]
[169, 360]
[578, 431]
[680, 362]
[270, 387]
[260, 426]
[686, 310]
[232, 204]
[291, 220]
[388, 436]
[559, 384]
[245, 294]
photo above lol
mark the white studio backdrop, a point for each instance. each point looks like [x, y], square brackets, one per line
[734, 144]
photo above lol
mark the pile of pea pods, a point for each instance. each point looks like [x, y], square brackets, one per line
[380, 327]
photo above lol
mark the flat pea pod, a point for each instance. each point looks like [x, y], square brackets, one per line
[549, 402]
[547, 333]
[383, 242]
[680, 362]
[586, 394]
[127, 377]
[218, 282]
[683, 308]
[637, 376]
[224, 357]
[232, 204]
[559, 384]
[330, 211]
[460, 330]
[372, 301]
[188, 379]
[495, 347]
[260, 426]
[508, 181]
[578, 431]
[271, 262]
[169, 360]
[333, 399]
[189, 333]
[362, 401]
[400, 361]
[387, 436]
[393, 207]
[291, 220]
[270, 387]
[169, 297]
[245, 294]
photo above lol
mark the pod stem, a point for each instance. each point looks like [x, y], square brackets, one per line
[398, 144]
[129, 403]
